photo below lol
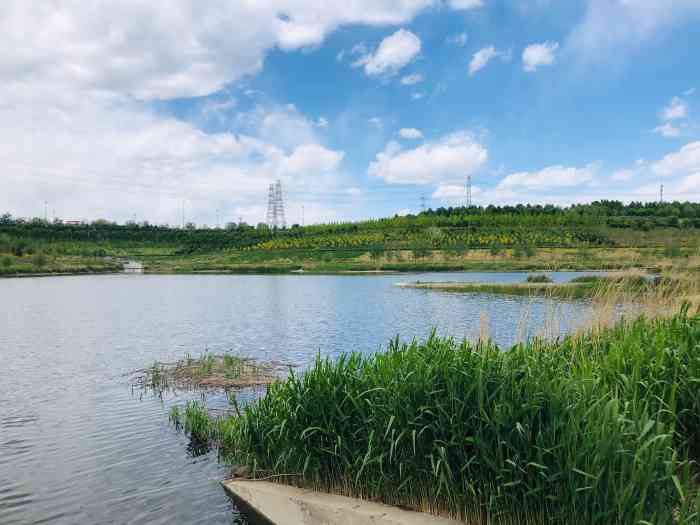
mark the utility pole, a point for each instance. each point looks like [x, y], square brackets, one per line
[183, 214]
[469, 191]
[469, 205]
[302, 215]
[46, 211]
[275, 206]
[661, 194]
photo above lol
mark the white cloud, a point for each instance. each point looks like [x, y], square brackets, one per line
[139, 162]
[482, 57]
[667, 130]
[394, 52]
[682, 162]
[690, 184]
[627, 174]
[460, 39]
[417, 95]
[464, 5]
[311, 159]
[410, 80]
[454, 192]
[536, 55]
[612, 28]
[158, 50]
[322, 122]
[676, 109]
[75, 123]
[548, 178]
[376, 122]
[450, 158]
[410, 133]
[623, 175]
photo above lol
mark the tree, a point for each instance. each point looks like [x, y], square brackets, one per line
[6, 262]
[39, 260]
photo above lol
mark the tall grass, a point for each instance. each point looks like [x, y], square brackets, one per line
[594, 428]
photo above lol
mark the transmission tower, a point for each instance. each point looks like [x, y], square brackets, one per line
[275, 206]
[422, 203]
[468, 188]
[661, 194]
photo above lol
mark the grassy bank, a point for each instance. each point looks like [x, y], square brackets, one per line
[595, 428]
[630, 286]
[334, 261]
[42, 264]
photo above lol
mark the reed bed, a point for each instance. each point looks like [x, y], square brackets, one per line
[602, 426]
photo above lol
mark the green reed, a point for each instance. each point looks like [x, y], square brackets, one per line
[594, 428]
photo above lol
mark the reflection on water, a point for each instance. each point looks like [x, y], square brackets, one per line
[77, 447]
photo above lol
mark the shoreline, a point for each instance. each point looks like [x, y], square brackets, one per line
[280, 271]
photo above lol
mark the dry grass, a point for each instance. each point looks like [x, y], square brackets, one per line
[225, 371]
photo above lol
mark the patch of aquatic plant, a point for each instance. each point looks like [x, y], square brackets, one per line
[594, 428]
[539, 278]
[208, 371]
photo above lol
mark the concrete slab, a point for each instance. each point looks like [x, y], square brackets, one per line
[284, 505]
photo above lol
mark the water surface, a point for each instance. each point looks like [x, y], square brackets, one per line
[76, 446]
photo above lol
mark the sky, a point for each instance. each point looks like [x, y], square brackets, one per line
[145, 109]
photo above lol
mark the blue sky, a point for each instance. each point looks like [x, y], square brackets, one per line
[136, 111]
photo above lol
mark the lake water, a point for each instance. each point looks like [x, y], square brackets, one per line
[77, 446]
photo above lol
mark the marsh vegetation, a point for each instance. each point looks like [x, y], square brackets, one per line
[600, 426]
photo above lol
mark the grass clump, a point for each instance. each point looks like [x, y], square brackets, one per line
[207, 371]
[539, 278]
[594, 428]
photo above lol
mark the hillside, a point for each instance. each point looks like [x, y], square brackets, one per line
[601, 234]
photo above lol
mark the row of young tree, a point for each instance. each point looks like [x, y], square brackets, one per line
[615, 214]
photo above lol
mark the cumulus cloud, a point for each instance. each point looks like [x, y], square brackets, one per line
[311, 159]
[454, 192]
[410, 133]
[464, 5]
[537, 55]
[612, 28]
[448, 159]
[481, 58]
[690, 184]
[627, 174]
[547, 178]
[676, 109]
[410, 80]
[682, 162]
[144, 163]
[394, 53]
[76, 126]
[667, 130]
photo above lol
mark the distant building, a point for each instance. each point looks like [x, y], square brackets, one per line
[72, 223]
[133, 267]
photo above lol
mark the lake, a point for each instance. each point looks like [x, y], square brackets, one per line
[78, 446]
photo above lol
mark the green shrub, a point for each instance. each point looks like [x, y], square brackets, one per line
[39, 260]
